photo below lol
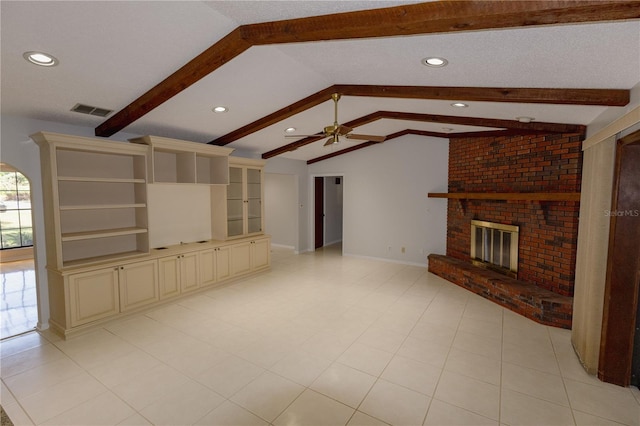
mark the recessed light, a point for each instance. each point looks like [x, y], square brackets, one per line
[40, 58]
[220, 109]
[459, 105]
[290, 129]
[435, 62]
[525, 119]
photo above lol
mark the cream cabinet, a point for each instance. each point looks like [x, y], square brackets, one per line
[138, 284]
[93, 295]
[223, 263]
[178, 274]
[105, 292]
[237, 209]
[116, 241]
[95, 199]
[250, 256]
[215, 265]
[177, 161]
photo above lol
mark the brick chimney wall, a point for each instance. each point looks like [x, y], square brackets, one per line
[531, 163]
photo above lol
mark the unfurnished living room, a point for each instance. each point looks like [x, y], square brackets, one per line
[320, 212]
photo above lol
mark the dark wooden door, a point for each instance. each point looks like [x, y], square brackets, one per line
[319, 212]
[623, 265]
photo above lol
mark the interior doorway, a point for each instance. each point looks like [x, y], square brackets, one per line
[328, 210]
[318, 196]
[18, 294]
[619, 363]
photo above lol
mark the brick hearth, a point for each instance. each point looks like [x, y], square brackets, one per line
[548, 229]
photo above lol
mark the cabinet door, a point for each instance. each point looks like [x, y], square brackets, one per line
[207, 267]
[93, 295]
[223, 263]
[138, 284]
[253, 200]
[260, 253]
[241, 258]
[169, 276]
[236, 202]
[189, 278]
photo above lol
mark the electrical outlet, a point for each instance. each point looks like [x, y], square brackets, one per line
[402, 250]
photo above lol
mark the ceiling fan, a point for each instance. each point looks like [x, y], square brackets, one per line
[334, 132]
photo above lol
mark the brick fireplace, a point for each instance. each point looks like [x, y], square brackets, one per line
[534, 166]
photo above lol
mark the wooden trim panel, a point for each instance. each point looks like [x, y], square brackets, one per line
[505, 196]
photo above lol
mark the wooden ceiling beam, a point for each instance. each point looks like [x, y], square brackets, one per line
[506, 127]
[484, 122]
[281, 114]
[423, 18]
[436, 17]
[359, 146]
[603, 97]
[488, 133]
[310, 139]
[202, 65]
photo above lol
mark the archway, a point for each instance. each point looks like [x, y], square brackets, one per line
[18, 293]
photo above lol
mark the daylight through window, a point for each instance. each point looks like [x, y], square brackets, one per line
[16, 229]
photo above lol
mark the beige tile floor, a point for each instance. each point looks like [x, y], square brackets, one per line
[321, 339]
[18, 300]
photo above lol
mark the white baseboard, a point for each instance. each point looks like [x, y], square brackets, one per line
[402, 262]
[283, 246]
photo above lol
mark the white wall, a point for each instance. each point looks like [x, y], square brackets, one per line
[281, 208]
[298, 169]
[333, 209]
[385, 198]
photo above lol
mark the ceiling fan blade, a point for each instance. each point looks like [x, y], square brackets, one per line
[333, 139]
[371, 138]
[343, 130]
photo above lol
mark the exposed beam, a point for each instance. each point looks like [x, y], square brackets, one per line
[602, 97]
[359, 146]
[423, 18]
[510, 127]
[343, 151]
[283, 113]
[202, 65]
[437, 17]
[488, 133]
[483, 122]
[310, 139]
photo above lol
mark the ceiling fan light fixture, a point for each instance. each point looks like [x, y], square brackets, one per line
[459, 105]
[435, 62]
[220, 109]
[40, 58]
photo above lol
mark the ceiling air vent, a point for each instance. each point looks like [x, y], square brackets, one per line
[91, 110]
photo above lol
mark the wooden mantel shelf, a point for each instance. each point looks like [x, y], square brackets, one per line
[525, 196]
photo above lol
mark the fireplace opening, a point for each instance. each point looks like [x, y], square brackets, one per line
[495, 246]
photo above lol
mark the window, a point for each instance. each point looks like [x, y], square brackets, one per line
[16, 229]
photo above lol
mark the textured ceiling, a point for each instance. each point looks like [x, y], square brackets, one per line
[113, 52]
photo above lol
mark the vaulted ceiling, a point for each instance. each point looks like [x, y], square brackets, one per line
[162, 67]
